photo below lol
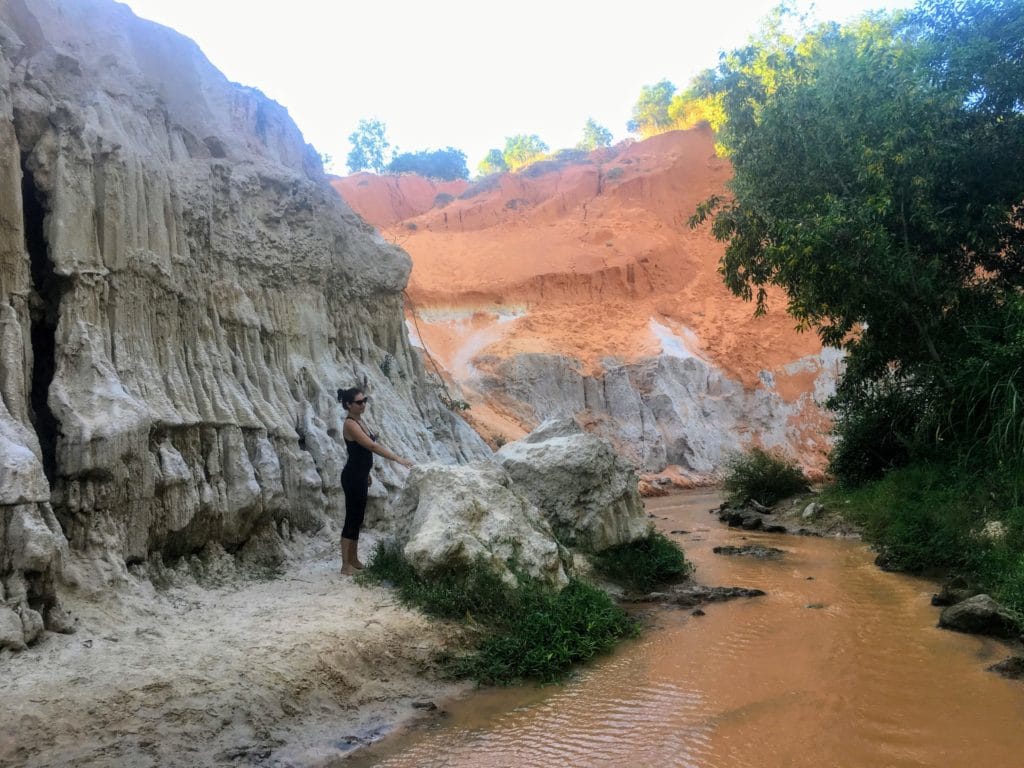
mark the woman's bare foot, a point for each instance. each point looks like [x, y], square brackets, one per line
[349, 570]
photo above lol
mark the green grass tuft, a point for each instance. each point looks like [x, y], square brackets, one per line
[644, 565]
[529, 632]
[764, 476]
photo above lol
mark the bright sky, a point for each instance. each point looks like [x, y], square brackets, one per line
[465, 73]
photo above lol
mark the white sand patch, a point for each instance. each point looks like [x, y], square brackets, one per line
[283, 671]
[475, 341]
[682, 343]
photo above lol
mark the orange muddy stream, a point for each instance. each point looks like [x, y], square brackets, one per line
[865, 681]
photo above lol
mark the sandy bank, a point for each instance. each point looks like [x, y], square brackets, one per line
[229, 670]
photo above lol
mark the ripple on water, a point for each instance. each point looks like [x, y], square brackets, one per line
[611, 716]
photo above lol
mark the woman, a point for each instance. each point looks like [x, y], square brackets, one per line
[355, 477]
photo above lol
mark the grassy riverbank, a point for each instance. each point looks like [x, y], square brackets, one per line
[933, 518]
[531, 631]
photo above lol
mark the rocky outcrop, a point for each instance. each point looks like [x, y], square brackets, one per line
[181, 294]
[452, 516]
[587, 493]
[979, 615]
[660, 411]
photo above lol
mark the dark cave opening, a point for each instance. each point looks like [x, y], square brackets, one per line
[45, 310]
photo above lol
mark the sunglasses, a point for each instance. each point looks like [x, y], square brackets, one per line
[361, 402]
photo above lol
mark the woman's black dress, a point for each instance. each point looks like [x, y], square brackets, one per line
[354, 481]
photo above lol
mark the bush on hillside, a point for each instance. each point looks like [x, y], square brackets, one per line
[766, 476]
[443, 164]
[485, 184]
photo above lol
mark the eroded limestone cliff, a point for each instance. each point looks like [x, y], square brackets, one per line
[181, 294]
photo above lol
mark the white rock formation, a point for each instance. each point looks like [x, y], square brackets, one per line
[659, 411]
[448, 516]
[181, 294]
[587, 493]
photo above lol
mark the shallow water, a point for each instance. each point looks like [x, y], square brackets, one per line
[865, 680]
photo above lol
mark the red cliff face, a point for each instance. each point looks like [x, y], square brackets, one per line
[593, 264]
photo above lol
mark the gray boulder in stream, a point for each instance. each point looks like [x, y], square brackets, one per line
[448, 516]
[588, 494]
[979, 615]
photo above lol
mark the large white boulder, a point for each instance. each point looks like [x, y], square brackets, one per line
[587, 492]
[447, 516]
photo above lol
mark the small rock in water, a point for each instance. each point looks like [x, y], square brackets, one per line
[680, 532]
[427, 705]
[742, 518]
[815, 606]
[979, 615]
[810, 578]
[956, 591]
[751, 550]
[775, 529]
[692, 596]
[698, 612]
[1011, 667]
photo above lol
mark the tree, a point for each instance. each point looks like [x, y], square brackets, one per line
[369, 147]
[523, 149]
[650, 113]
[494, 162]
[879, 176]
[444, 164]
[594, 136]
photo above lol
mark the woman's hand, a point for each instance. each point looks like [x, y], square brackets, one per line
[369, 480]
[406, 463]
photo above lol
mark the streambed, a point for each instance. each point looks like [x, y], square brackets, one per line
[840, 664]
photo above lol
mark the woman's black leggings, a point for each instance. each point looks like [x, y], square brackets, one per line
[356, 492]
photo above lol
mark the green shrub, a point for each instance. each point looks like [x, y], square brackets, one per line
[538, 168]
[615, 173]
[645, 564]
[875, 432]
[530, 631]
[442, 199]
[762, 475]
